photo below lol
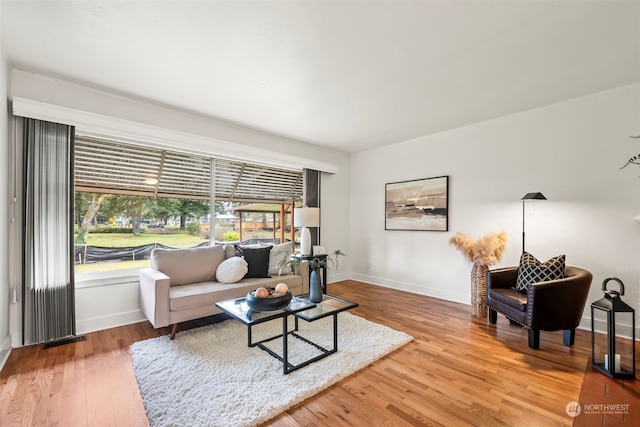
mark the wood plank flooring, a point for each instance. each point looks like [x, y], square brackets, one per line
[458, 371]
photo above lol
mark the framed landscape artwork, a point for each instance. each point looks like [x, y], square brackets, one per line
[419, 205]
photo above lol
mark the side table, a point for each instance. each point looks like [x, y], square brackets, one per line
[323, 269]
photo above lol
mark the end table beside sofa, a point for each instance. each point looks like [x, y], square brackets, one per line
[322, 258]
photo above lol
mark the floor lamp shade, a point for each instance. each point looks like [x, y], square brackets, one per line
[304, 218]
[534, 196]
[529, 196]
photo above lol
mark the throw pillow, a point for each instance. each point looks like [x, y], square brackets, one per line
[277, 255]
[531, 271]
[232, 270]
[191, 265]
[229, 251]
[257, 260]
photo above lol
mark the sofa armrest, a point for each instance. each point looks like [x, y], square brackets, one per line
[303, 270]
[504, 278]
[154, 296]
[559, 304]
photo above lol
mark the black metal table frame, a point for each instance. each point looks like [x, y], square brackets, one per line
[286, 366]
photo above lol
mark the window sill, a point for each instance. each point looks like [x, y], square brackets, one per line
[106, 278]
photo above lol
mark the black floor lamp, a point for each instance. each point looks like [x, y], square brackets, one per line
[529, 196]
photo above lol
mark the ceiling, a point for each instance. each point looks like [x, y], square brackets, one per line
[348, 75]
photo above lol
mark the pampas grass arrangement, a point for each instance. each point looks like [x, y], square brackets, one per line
[483, 253]
[487, 250]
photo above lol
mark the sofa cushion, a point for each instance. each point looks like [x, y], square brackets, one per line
[257, 260]
[531, 270]
[277, 254]
[232, 270]
[192, 265]
[229, 251]
[201, 295]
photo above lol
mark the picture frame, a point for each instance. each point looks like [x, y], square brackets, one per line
[417, 205]
[318, 250]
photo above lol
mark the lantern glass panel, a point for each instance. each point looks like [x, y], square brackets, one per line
[600, 340]
[624, 348]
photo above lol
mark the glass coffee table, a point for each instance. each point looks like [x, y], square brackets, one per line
[301, 308]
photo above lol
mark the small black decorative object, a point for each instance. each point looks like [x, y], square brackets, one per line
[635, 160]
[612, 355]
[270, 303]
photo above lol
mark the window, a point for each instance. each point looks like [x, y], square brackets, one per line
[130, 199]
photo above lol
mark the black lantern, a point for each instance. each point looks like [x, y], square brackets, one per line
[612, 355]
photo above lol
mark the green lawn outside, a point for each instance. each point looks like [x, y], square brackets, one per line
[116, 240]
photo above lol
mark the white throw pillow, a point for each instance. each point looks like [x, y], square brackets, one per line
[277, 254]
[232, 270]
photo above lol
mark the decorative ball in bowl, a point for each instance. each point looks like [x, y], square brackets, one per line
[268, 299]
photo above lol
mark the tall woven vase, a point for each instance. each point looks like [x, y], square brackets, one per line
[479, 290]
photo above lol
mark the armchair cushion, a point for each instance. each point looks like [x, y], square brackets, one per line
[512, 298]
[531, 270]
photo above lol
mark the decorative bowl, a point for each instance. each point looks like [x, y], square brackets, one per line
[269, 303]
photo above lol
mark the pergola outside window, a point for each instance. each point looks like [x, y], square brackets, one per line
[244, 195]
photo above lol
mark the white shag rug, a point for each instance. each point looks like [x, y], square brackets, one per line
[209, 377]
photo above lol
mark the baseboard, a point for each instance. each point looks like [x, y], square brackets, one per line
[444, 294]
[112, 321]
[331, 278]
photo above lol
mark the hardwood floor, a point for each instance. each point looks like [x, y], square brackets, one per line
[458, 371]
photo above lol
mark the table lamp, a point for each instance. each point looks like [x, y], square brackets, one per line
[304, 218]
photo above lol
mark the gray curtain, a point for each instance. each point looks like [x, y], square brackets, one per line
[48, 294]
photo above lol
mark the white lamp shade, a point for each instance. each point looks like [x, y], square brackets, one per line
[306, 217]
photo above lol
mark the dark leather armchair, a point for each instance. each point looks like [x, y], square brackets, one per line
[547, 306]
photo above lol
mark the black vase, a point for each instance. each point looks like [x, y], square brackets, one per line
[315, 288]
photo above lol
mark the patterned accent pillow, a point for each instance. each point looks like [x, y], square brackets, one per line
[531, 271]
[276, 257]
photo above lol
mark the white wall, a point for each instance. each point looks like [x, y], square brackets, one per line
[101, 304]
[334, 219]
[570, 151]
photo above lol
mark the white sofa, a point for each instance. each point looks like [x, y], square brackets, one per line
[182, 284]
